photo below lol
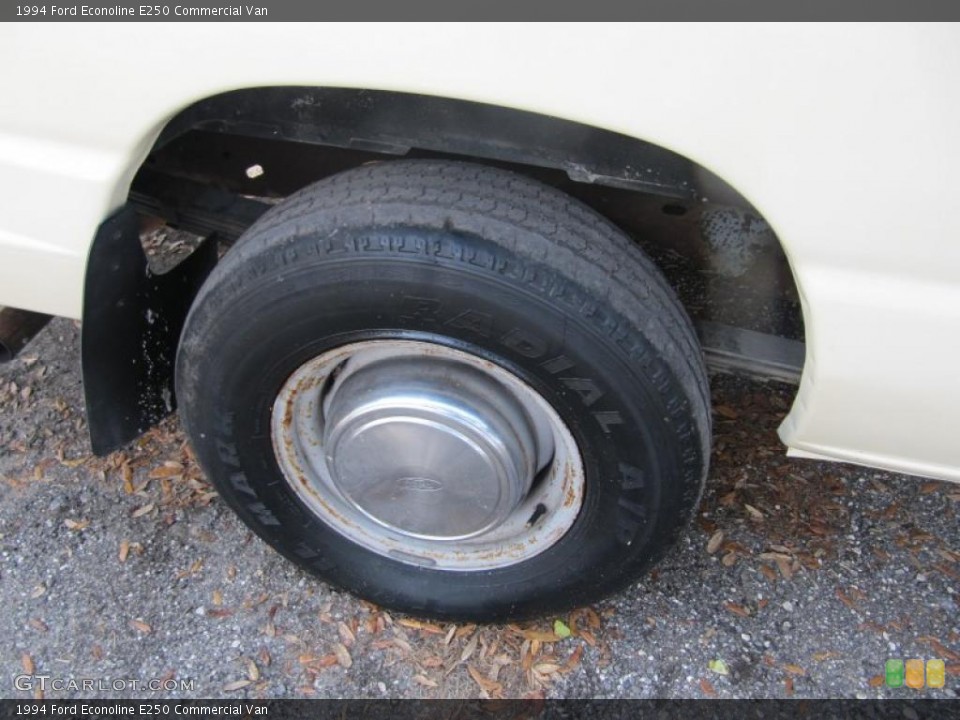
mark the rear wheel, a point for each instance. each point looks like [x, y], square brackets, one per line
[449, 389]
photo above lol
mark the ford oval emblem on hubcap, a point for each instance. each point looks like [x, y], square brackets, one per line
[420, 483]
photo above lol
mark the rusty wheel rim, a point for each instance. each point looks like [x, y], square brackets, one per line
[428, 455]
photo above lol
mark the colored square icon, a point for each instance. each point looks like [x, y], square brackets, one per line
[894, 672]
[935, 673]
[915, 674]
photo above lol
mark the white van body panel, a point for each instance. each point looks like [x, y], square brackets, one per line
[845, 137]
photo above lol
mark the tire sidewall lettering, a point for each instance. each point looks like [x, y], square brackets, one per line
[590, 404]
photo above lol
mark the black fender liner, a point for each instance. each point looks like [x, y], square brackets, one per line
[132, 320]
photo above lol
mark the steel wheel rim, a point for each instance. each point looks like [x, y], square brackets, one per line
[427, 455]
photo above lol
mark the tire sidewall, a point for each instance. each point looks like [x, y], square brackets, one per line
[605, 380]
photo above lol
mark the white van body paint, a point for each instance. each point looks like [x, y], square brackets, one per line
[845, 137]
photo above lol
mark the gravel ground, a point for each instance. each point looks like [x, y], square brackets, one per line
[797, 579]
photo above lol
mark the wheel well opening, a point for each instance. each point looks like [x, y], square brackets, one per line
[224, 160]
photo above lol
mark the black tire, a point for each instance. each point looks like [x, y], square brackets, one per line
[483, 260]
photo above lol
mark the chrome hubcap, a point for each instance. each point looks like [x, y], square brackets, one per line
[430, 447]
[428, 455]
